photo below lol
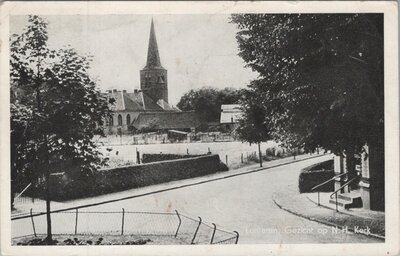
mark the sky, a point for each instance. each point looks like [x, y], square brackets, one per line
[197, 50]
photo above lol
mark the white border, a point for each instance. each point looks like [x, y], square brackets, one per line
[390, 247]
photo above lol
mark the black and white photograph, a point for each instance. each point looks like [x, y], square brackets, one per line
[237, 127]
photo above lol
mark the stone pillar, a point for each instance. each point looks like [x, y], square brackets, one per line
[364, 181]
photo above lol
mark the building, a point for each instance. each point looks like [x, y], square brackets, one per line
[148, 106]
[127, 108]
[230, 115]
[369, 187]
[164, 121]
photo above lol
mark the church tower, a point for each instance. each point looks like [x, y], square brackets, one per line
[153, 77]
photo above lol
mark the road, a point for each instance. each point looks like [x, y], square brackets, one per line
[242, 203]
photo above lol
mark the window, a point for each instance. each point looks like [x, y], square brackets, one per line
[128, 119]
[119, 120]
[111, 121]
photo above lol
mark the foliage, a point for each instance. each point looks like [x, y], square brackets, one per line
[151, 158]
[56, 108]
[207, 101]
[320, 75]
[253, 126]
[315, 175]
[122, 178]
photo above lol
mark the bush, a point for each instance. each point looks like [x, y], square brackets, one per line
[150, 158]
[270, 152]
[316, 174]
[128, 177]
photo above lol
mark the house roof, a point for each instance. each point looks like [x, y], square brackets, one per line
[167, 120]
[230, 113]
[137, 102]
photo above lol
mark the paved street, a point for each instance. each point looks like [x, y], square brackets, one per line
[242, 203]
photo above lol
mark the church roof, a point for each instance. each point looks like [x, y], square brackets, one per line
[168, 120]
[153, 56]
[137, 102]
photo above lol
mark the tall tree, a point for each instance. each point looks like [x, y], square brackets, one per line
[56, 109]
[322, 75]
[207, 101]
[253, 126]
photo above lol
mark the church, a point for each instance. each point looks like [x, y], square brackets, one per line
[147, 108]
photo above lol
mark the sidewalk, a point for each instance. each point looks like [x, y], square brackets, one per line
[370, 223]
[40, 205]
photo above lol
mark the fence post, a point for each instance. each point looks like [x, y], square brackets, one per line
[241, 158]
[226, 159]
[123, 220]
[237, 237]
[195, 233]
[76, 221]
[187, 151]
[213, 234]
[180, 222]
[33, 224]
[137, 157]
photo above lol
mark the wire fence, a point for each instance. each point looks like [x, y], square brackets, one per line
[186, 229]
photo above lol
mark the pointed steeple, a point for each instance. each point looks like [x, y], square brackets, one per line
[153, 57]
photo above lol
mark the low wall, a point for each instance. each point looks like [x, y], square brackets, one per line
[151, 158]
[128, 177]
[316, 174]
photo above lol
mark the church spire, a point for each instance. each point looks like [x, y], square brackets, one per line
[153, 57]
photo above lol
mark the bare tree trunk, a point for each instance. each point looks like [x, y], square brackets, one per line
[259, 153]
[49, 237]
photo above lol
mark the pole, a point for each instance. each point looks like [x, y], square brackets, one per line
[213, 234]
[237, 237]
[226, 159]
[241, 158]
[180, 222]
[76, 221]
[195, 233]
[336, 202]
[259, 153]
[137, 157]
[33, 224]
[123, 220]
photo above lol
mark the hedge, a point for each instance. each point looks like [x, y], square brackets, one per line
[128, 177]
[150, 158]
[316, 174]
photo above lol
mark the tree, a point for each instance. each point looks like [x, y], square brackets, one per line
[56, 109]
[253, 127]
[207, 101]
[322, 76]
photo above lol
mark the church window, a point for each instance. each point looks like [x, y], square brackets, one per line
[119, 120]
[111, 121]
[128, 119]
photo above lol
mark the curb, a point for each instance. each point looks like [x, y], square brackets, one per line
[327, 223]
[27, 215]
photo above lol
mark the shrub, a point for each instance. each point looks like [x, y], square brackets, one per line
[150, 158]
[316, 174]
[270, 152]
[128, 177]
